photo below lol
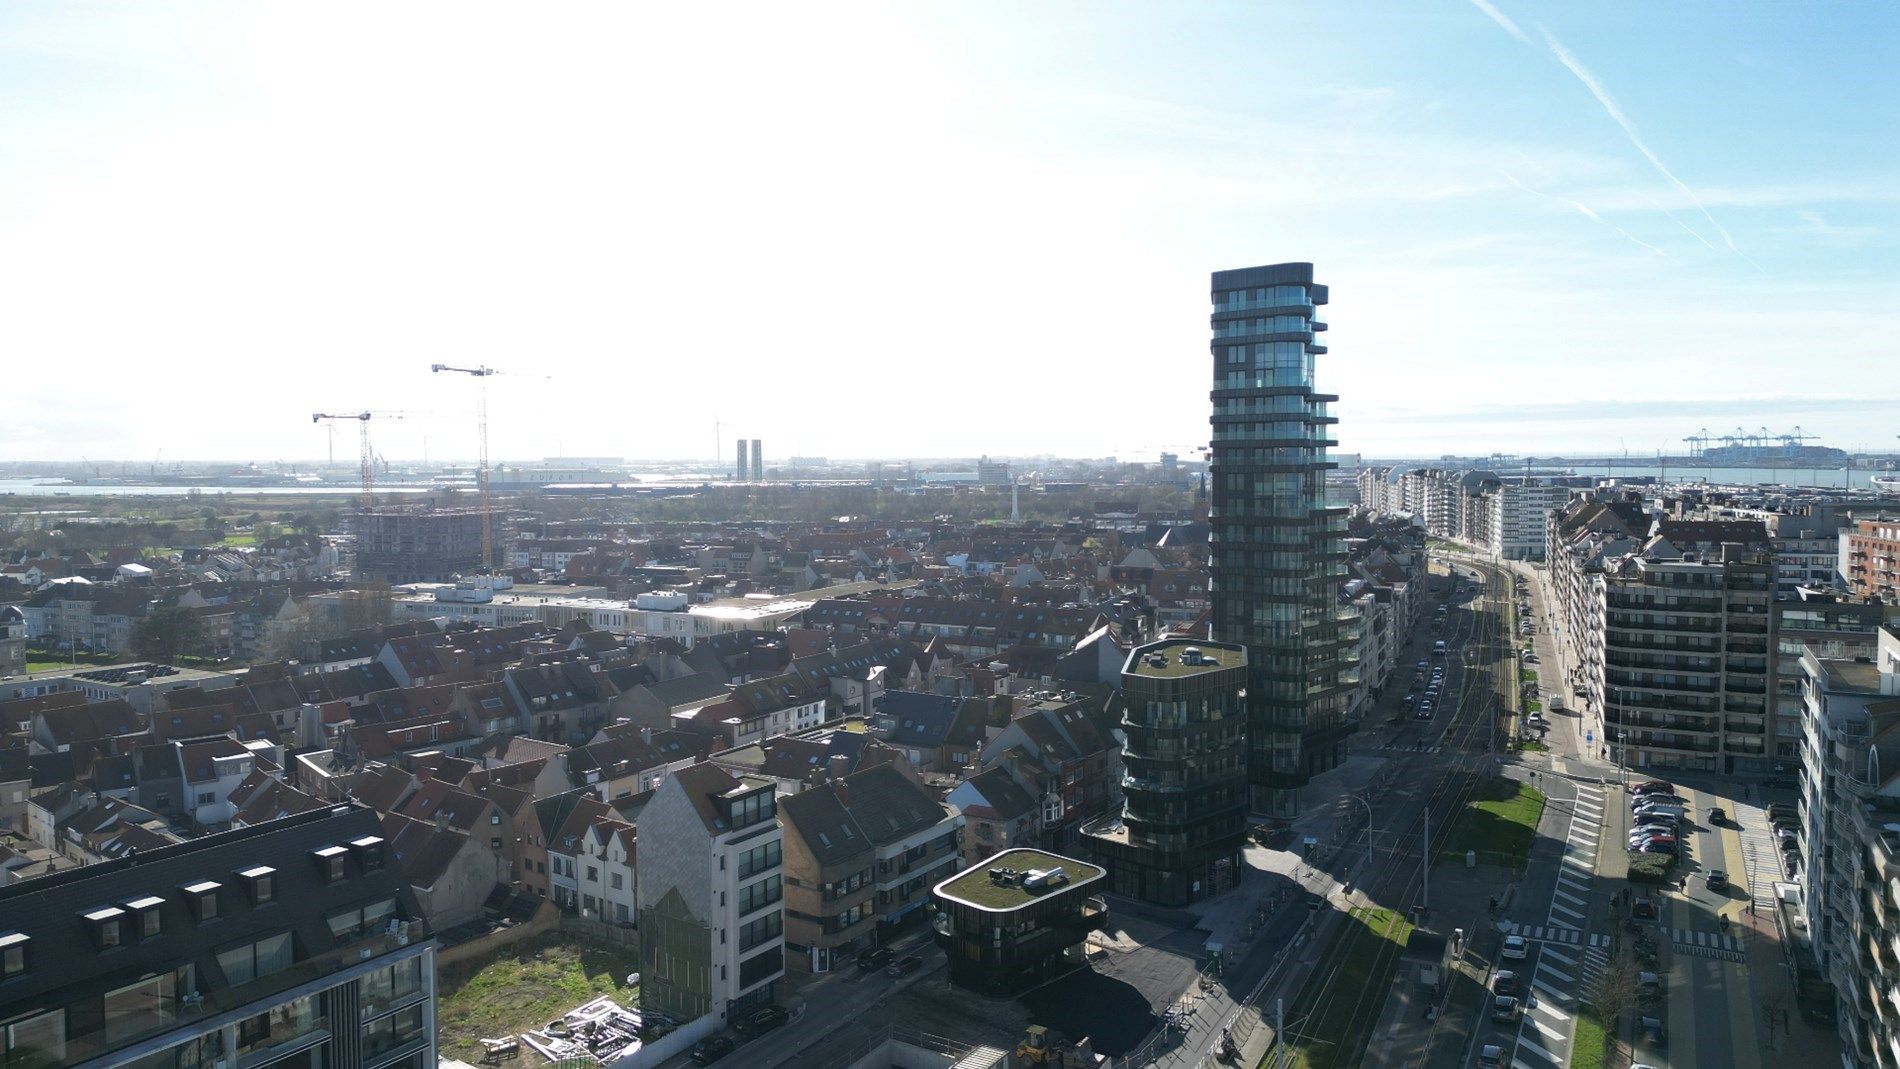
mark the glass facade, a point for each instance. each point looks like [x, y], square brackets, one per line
[1279, 555]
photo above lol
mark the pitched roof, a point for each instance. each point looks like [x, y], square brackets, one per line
[1002, 794]
[822, 822]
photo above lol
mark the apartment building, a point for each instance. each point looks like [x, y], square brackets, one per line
[1835, 627]
[1504, 515]
[1183, 819]
[1278, 549]
[1869, 558]
[709, 879]
[1582, 540]
[1688, 649]
[861, 852]
[1850, 856]
[292, 944]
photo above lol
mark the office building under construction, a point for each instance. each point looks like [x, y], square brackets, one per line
[419, 544]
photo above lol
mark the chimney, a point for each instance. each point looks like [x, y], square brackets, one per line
[842, 789]
[836, 766]
[646, 734]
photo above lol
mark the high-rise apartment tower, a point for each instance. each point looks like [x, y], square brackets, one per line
[1279, 551]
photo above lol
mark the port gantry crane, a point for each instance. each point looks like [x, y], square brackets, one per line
[482, 374]
[368, 454]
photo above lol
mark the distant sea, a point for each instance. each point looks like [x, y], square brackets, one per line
[1830, 478]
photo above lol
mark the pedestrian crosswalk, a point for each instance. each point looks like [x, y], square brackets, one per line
[1409, 747]
[1595, 960]
[1565, 965]
[1707, 944]
[1546, 933]
[1761, 854]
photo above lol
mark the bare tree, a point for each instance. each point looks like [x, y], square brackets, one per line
[1614, 994]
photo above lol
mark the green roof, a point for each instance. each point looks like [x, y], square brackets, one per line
[1213, 658]
[973, 886]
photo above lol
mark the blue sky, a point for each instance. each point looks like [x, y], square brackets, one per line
[939, 229]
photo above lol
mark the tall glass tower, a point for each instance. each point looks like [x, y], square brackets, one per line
[1279, 552]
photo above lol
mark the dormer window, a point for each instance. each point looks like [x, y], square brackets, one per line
[107, 923]
[202, 898]
[330, 862]
[13, 955]
[262, 881]
[368, 851]
[151, 923]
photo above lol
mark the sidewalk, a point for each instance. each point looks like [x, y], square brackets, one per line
[1787, 1037]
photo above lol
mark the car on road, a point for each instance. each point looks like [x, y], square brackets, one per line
[1717, 815]
[1504, 983]
[711, 1049]
[761, 1021]
[1516, 948]
[1717, 880]
[904, 966]
[1504, 1008]
[875, 959]
[1490, 1056]
[1644, 909]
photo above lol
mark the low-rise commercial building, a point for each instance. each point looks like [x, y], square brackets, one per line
[1008, 923]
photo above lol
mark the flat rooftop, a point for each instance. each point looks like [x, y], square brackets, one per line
[973, 886]
[1214, 657]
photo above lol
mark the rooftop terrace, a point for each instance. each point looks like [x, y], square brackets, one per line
[973, 886]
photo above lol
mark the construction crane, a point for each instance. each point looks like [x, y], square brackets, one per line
[482, 374]
[368, 456]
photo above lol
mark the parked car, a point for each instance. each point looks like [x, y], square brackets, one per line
[711, 1049]
[1515, 948]
[1504, 1008]
[1653, 786]
[875, 959]
[904, 966]
[1656, 799]
[761, 1021]
[1661, 848]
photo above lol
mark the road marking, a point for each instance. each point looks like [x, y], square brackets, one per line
[1553, 1035]
[1558, 907]
[1568, 897]
[1560, 955]
[1525, 1041]
[1555, 971]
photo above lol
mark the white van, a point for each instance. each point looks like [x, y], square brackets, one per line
[1556, 703]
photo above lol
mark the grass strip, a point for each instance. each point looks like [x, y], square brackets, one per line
[1334, 1023]
[1499, 823]
[1590, 1047]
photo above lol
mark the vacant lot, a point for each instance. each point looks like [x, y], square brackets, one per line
[526, 986]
